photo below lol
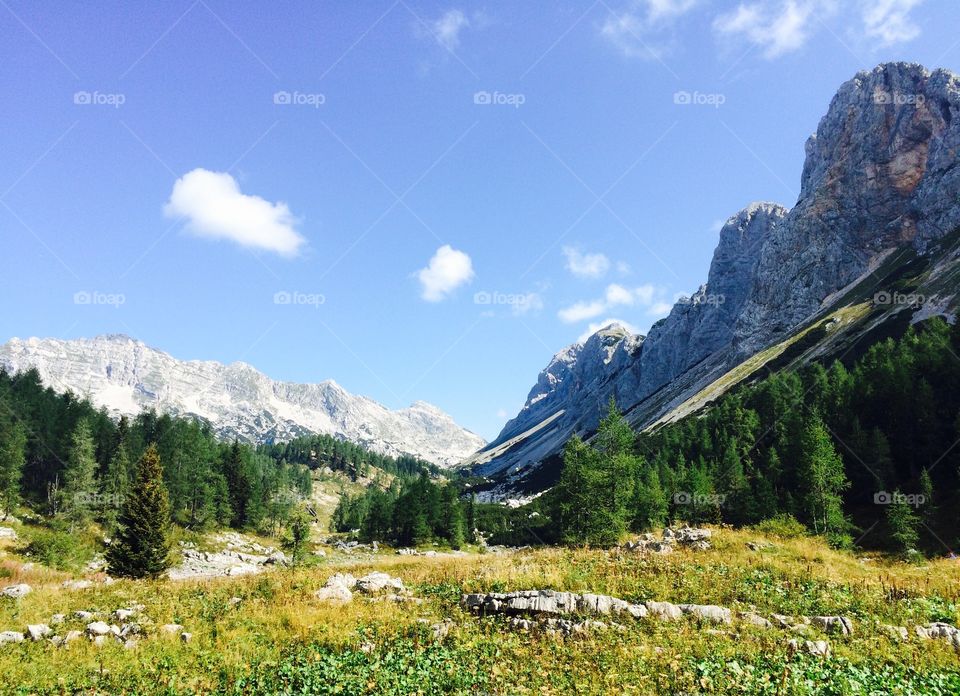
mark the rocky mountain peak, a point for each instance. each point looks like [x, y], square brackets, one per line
[881, 171]
[126, 376]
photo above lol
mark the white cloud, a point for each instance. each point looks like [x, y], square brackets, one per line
[215, 207]
[778, 28]
[582, 310]
[660, 309]
[502, 414]
[447, 270]
[637, 29]
[596, 326]
[889, 20]
[586, 265]
[615, 296]
[447, 28]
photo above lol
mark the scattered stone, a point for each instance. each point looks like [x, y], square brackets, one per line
[130, 644]
[83, 615]
[818, 648]
[76, 584]
[896, 632]
[833, 624]
[98, 640]
[72, 636]
[37, 632]
[375, 583]
[123, 615]
[130, 629]
[8, 533]
[755, 619]
[707, 612]
[11, 637]
[442, 630]
[171, 629]
[276, 558]
[234, 601]
[664, 611]
[337, 589]
[98, 628]
[186, 637]
[57, 619]
[16, 591]
[550, 602]
[759, 545]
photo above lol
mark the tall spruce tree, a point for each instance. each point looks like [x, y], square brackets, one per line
[823, 478]
[142, 545]
[79, 492]
[13, 447]
[902, 522]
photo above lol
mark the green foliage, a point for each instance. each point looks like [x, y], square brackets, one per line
[13, 446]
[80, 488]
[823, 478]
[298, 535]
[59, 548]
[902, 522]
[142, 545]
[591, 499]
[784, 525]
[414, 512]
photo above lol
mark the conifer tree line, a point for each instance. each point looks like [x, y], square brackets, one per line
[839, 448]
[62, 456]
[319, 451]
[411, 512]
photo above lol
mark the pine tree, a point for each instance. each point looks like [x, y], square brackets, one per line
[298, 536]
[116, 484]
[142, 545]
[13, 446]
[902, 523]
[651, 506]
[79, 490]
[823, 478]
[572, 492]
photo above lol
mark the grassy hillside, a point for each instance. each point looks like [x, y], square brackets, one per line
[268, 634]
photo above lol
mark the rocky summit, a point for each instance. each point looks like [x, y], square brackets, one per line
[126, 376]
[881, 176]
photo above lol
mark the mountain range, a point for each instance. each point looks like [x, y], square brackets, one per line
[126, 376]
[867, 248]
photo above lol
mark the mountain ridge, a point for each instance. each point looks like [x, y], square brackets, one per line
[126, 376]
[880, 174]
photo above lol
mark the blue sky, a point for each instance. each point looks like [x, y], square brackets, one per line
[419, 200]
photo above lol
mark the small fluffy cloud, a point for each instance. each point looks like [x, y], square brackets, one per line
[586, 265]
[215, 207]
[615, 296]
[777, 28]
[446, 29]
[638, 28]
[448, 269]
[889, 20]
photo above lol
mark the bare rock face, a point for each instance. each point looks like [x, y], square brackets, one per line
[126, 376]
[881, 172]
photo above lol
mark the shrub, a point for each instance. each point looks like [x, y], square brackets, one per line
[59, 549]
[784, 526]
